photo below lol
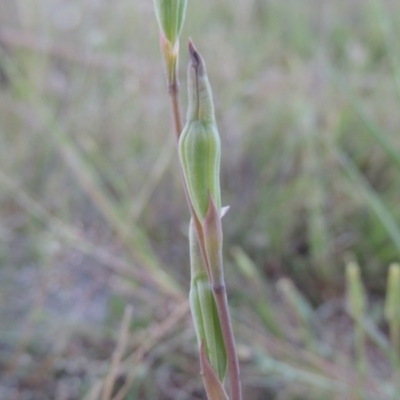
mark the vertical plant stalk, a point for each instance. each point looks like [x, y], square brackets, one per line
[213, 231]
[357, 304]
[392, 315]
[109, 382]
[199, 151]
[227, 332]
[218, 288]
[173, 91]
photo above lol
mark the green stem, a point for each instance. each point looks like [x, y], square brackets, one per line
[173, 90]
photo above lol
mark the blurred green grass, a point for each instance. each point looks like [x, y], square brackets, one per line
[94, 217]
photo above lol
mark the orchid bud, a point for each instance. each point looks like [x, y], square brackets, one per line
[199, 143]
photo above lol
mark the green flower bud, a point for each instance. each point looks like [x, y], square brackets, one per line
[204, 309]
[170, 16]
[199, 143]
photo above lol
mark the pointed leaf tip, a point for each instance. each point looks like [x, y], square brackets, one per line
[195, 58]
[192, 51]
[214, 388]
[212, 221]
[191, 45]
[224, 210]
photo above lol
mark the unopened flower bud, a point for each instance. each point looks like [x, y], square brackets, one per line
[199, 143]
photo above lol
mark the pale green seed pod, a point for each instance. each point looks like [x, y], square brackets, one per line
[204, 310]
[170, 16]
[199, 143]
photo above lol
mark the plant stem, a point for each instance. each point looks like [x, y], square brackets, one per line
[173, 90]
[229, 340]
[394, 336]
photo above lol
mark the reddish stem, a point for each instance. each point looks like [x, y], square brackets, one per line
[229, 340]
[173, 90]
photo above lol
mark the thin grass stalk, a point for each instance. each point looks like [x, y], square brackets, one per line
[395, 341]
[372, 127]
[376, 336]
[154, 177]
[390, 41]
[360, 348]
[318, 235]
[68, 233]
[118, 354]
[300, 374]
[394, 327]
[372, 198]
[301, 309]
[283, 350]
[132, 363]
[131, 236]
[356, 304]
[262, 291]
[392, 315]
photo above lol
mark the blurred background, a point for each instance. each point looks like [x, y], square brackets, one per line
[94, 270]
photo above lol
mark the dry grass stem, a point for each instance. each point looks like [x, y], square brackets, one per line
[118, 353]
[131, 363]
